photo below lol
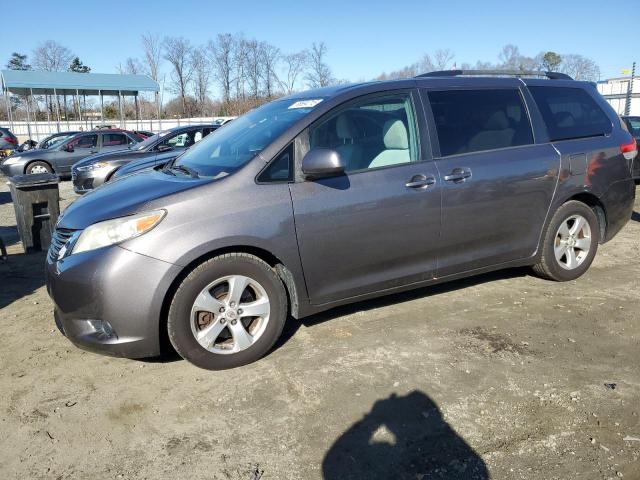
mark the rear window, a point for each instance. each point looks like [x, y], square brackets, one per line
[476, 120]
[570, 113]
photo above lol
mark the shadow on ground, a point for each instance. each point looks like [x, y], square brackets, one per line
[21, 275]
[5, 197]
[402, 437]
[292, 325]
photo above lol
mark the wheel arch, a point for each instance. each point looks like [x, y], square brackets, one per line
[593, 202]
[268, 257]
[26, 166]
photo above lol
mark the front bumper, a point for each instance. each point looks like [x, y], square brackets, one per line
[12, 170]
[85, 181]
[115, 287]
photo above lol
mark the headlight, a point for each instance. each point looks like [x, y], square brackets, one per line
[117, 230]
[12, 160]
[93, 166]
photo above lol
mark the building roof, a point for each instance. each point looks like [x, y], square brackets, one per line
[22, 82]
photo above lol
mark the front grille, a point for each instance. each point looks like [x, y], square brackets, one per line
[59, 239]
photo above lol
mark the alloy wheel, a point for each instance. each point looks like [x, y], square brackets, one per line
[230, 314]
[572, 242]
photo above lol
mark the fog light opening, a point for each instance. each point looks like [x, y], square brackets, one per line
[103, 328]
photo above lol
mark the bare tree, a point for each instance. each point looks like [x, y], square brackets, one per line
[132, 66]
[269, 58]
[222, 56]
[294, 65]
[509, 57]
[580, 67]
[240, 60]
[52, 57]
[426, 65]
[152, 46]
[201, 75]
[443, 59]
[253, 66]
[319, 74]
[178, 54]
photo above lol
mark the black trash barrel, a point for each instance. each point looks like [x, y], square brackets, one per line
[36, 200]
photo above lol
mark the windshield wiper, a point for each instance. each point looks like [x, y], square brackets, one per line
[185, 169]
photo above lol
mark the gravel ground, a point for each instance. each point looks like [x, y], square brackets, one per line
[498, 376]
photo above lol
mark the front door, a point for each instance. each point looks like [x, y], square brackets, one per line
[83, 146]
[377, 226]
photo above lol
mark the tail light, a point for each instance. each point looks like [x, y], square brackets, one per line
[11, 140]
[629, 150]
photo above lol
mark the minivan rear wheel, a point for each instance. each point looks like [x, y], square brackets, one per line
[229, 311]
[570, 243]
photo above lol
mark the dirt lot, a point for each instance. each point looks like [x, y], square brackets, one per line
[500, 376]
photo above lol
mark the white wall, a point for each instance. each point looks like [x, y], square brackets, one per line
[617, 87]
[40, 130]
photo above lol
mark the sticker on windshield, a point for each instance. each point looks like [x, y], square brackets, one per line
[305, 103]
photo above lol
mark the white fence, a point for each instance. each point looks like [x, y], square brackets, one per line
[39, 130]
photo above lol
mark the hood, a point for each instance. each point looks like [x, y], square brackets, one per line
[125, 154]
[30, 154]
[125, 197]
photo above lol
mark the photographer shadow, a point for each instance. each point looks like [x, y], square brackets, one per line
[402, 437]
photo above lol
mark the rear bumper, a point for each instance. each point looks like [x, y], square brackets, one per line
[86, 181]
[110, 300]
[618, 203]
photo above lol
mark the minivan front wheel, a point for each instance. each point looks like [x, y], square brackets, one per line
[229, 311]
[570, 243]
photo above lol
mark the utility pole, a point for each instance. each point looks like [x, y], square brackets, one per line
[627, 105]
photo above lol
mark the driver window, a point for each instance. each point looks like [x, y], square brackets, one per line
[86, 141]
[180, 140]
[372, 133]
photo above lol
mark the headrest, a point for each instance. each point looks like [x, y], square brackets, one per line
[497, 121]
[395, 135]
[564, 119]
[343, 128]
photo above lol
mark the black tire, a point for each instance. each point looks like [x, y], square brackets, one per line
[179, 319]
[549, 267]
[38, 164]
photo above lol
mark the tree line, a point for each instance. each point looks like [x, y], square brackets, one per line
[248, 72]
[577, 66]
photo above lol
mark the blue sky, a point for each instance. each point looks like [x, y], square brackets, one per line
[364, 38]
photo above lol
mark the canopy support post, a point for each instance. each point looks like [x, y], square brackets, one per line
[78, 104]
[135, 99]
[55, 93]
[120, 108]
[7, 102]
[35, 116]
[101, 107]
[28, 116]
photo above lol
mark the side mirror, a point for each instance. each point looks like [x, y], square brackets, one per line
[164, 148]
[68, 148]
[322, 162]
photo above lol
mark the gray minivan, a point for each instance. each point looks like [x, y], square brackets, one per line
[336, 195]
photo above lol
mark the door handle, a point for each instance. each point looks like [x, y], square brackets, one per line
[458, 175]
[420, 182]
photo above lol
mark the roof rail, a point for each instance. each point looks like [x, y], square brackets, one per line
[511, 73]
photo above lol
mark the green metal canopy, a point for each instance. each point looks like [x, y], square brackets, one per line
[28, 82]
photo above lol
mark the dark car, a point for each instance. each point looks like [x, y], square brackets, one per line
[633, 125]
[55, 139]
[336, 195]
[97, 169]
[60, 157]
[8, 141]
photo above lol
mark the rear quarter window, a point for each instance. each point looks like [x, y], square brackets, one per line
[570, 113]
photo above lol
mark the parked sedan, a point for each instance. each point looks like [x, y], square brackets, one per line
[59, 158]
[633, 125]
[97, 169]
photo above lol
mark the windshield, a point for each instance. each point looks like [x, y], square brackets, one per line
[55, 141]
[146, 143]
[227, 149]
